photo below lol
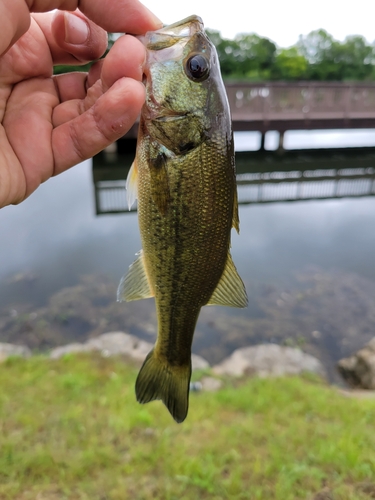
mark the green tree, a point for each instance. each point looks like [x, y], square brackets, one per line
[247, 56]
[330, 59]
[354, 58]
[289, 64]
[255, 55]
[225, 50]
[319, 49]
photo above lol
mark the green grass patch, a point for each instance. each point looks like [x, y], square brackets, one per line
[71, 429]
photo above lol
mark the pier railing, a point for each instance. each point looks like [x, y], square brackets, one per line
[301, 105]
[282, 106]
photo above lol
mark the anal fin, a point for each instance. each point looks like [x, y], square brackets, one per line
[230, 290]
[135, 285]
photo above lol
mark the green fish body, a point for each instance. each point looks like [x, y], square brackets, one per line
[184, 179]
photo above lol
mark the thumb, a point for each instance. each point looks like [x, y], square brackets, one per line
[72, 38]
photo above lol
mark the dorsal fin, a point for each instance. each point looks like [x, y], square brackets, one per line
[230, 290]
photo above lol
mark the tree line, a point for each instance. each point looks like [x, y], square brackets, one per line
[316, 56]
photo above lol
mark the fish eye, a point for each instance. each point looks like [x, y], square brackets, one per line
[197, 68]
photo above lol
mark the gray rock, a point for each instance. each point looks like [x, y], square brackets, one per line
[119, 343]
[114, 343]
[109, 344]
[269, 360]
[7, 350]
[359, 370]
[211, 384]
[199, 363]
[58, 352]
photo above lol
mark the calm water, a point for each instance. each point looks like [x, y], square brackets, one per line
[308, 267]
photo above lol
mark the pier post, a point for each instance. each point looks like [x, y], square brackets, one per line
[262, 141]
[280, 149]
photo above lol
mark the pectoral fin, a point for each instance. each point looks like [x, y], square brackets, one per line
[230, 291]
[135, 285]
[132, 185]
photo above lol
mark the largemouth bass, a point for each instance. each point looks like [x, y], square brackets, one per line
[184, 179]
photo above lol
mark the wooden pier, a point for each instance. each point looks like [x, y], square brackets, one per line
[283, 106]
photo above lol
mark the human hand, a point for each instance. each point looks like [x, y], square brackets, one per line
[50, 123]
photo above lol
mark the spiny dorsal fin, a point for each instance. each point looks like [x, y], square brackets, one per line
[135, 285]
[132, 185]
[230, 291]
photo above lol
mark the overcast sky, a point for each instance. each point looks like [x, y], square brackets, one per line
[280, 20]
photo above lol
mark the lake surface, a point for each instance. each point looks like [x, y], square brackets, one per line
[308, 267]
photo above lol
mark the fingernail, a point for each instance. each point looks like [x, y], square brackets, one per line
[76, 29]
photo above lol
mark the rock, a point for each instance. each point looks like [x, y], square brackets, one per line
[119, 343]
[269, 360]
[199, 363]
[359, 370]
[109, 344]
[211, 384]
[115, 343]
[7, 350]
[58, 352]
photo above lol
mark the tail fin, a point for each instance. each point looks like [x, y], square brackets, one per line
[157, 379]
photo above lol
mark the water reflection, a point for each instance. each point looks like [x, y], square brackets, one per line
[261, 178]
[308, 265]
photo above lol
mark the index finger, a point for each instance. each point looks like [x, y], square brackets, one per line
[128, 16]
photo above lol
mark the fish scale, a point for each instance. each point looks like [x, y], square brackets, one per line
[187, 262]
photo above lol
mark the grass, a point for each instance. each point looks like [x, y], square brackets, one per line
[71, 429]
